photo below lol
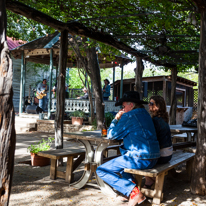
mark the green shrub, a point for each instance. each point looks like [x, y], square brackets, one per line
[42, 145]
[108, 117]
[78, 113]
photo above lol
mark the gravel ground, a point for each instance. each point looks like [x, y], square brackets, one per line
[32, 185]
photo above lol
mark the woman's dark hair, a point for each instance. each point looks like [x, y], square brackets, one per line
[161, 104]
[107, 81]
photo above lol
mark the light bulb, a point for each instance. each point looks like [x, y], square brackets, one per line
[194, 21]
[188, 20]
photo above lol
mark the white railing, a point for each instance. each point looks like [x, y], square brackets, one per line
[72, 105]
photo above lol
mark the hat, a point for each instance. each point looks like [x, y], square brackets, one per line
[130, 96]
[84, 89]
[107, 81]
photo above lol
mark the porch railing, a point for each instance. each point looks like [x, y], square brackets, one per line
[72, 105]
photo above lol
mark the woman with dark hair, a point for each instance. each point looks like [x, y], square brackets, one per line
[158, 111]
[106, 90]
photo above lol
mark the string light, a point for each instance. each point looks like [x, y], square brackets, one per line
[17, 20]
[194, 21]
[46, 34]
[188, 20]
[33, 28]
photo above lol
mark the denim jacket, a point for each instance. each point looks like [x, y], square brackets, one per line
[107, 92]
[138, 133]
[163, 132]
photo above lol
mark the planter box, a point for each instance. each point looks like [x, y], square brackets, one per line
[39, 161]
[77, 120]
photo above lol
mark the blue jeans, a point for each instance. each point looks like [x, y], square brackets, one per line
[108, 172]
[42, 103]
[105, 98]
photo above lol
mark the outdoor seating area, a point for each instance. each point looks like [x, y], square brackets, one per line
[102, 103]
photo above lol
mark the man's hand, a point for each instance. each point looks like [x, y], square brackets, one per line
[119, 115]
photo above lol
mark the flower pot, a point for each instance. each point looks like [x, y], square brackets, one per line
[77, 120]
[39, 161]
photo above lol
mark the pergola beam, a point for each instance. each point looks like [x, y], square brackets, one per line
[76, 28]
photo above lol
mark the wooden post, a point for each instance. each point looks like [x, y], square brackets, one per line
[50, 82]
[21, 84]
[121, 83]
[60, 95]
[173, 107]
[164, 90]
[138, 75]
[7, 115]
[113, 82]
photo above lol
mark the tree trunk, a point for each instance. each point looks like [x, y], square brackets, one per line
[60, 95]
[94, 74]
[7, 115]
[138, 75]
[173, 107]
[198, 183]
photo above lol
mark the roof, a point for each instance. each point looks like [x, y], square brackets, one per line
[38, 51]
[180, 80]
[13, 43]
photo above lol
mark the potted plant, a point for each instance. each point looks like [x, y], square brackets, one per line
[42, 145]
[77, 117]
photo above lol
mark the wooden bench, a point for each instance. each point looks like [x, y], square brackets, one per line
[54, 155]
[183, 145]
[159, 171]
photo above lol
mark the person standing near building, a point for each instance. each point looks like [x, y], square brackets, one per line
[106, 90]
[42, 89]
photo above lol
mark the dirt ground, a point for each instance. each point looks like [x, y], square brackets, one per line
[32, 185]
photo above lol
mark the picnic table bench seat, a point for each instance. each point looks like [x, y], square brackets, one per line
[54, 155]
[159, 171]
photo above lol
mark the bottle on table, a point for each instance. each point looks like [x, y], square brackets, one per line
[104, 129]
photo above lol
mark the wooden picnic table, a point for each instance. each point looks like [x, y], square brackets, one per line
[179, 129]
[93, 157]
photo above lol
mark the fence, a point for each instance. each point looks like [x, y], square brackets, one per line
[72, 105]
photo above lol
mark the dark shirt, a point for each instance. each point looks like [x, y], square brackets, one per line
[85, 96]
[163, 132]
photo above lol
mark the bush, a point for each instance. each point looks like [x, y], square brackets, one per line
[78, 113]
[42, 145]
[109, 117]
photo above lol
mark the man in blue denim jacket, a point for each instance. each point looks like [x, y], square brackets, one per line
[140, 149]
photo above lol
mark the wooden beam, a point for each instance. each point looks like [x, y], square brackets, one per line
[77, 28]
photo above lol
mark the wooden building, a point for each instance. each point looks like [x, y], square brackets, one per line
[160, 85]
[32, 77]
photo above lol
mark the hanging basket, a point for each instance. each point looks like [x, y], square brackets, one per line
[37, 160]
[77, 120]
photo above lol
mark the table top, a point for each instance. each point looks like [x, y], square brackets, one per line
[180, 129]
[90, 136]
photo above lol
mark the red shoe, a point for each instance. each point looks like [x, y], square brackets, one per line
[136, 197]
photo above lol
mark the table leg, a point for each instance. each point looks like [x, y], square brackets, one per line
[189, 136]
[69, 169]
[89, 156]
[53, 169]
[98, 160]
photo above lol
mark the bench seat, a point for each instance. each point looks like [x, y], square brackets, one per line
[54, 155]
[159, 171]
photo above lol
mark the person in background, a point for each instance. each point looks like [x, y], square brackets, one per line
[55, 89]
[158, 111]
[42, 89]
[140, 149]
[106, 90]
[85, 94]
